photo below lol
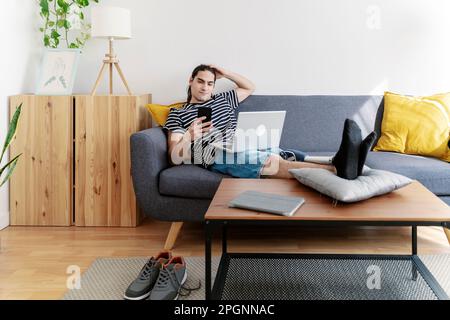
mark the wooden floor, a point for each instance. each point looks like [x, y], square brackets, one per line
[33, 261]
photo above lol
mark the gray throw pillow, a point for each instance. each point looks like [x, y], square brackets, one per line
[372, 183]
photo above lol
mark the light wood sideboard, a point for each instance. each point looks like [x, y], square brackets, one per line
[75, 164]
[41, 186]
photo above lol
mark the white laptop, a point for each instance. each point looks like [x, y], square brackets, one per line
[256, 131]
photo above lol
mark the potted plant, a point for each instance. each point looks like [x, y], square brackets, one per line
[60, 18]
[8, 169]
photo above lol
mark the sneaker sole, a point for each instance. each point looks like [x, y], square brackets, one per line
[138, 298]
[182, 282]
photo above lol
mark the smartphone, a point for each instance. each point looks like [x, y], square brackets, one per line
[205, 112]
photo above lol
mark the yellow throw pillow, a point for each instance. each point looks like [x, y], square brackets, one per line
[160, 112]
[444, 99]
[416, 125]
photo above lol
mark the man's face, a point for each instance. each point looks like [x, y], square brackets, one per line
[202, 86]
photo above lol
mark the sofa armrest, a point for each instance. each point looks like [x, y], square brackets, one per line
[148, 159]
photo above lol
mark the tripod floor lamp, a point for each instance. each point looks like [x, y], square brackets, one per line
[111, 23]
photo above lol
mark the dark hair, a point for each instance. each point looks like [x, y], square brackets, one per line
[202, 67]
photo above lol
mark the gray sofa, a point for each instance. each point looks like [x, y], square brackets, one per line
[313, 124]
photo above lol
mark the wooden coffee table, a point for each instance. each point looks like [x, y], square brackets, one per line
[411, 206]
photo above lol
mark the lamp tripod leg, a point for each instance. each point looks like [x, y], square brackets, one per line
[100, 75]
[123, 78]
[111, 83]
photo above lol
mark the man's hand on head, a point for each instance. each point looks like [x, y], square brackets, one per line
[220, 72]
[245, 87]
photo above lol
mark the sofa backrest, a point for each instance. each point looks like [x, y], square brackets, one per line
[315, 123]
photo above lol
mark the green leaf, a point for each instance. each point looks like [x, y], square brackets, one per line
[83, 3]
[51, 24]
[44, 7]
[63, 5]
[10, 166]
[55, 35]
[12, 130]
[46, 41]
[73, 46]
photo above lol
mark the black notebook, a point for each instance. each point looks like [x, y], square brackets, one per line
[267, 202]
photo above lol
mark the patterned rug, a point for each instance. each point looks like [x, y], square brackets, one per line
[108, 278]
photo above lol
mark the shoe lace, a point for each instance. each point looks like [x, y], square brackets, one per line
[185, 291]
[166, 275]
[147, 270]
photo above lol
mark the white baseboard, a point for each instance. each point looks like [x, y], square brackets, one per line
[4, 220]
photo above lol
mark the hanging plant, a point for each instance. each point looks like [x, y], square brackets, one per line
[60, 19]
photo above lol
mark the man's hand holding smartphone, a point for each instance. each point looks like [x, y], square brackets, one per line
[199, 128]
[204, 112]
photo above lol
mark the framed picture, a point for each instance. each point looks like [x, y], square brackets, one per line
[58, 71]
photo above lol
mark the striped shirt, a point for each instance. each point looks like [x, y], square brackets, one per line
[223, 117]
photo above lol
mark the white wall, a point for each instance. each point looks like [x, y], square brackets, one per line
[19, 55]
[284, 46]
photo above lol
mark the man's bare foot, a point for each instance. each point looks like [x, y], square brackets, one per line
[278, 168]
[328, 167]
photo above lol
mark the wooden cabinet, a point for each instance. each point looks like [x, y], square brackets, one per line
[75, 167]
[41, 187]
[104, 193]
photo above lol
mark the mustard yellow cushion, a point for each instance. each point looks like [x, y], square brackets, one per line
[160, 112]
[416, 125]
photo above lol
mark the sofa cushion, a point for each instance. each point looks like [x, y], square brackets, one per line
[315, 123]
[189, 181]
[370, 184]
[160, 113]
[416, 125]
[432, 173]
[194, 182]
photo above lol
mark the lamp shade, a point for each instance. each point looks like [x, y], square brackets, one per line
[111, 22]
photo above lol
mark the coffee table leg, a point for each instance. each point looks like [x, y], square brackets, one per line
[414, 252]
[414, 240]
[207, 260]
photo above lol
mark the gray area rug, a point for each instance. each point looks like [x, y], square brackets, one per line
[108, 278]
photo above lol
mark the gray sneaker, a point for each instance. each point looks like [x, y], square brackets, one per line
[171, 278]
[142, 286]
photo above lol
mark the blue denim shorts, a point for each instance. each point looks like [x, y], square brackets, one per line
[245, 165]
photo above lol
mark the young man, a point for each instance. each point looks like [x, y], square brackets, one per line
[190, 140]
